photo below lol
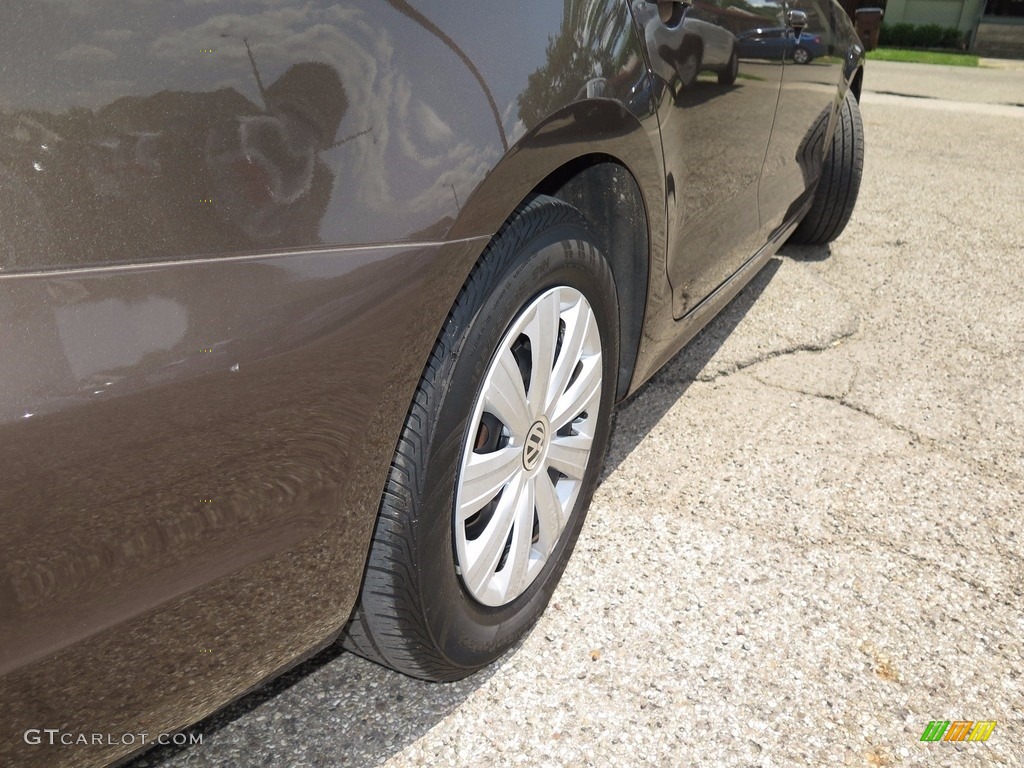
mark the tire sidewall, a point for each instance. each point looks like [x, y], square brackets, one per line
[470, 634]
[732, 69]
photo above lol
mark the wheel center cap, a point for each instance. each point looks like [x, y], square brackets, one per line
[536, 445]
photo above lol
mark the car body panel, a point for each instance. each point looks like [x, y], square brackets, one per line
[188, 424]
[208, 219]
[810, 93]
[673, 319]
[229, 234]
[715, 137]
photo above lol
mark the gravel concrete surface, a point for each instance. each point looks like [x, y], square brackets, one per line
[1000, 82]
[808, 541]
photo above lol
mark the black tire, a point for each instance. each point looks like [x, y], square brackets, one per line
[415, 614]
[836, 193]
[801, 55]
[732, 70]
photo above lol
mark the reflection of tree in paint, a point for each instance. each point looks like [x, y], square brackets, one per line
[407, 10]
[591, 48]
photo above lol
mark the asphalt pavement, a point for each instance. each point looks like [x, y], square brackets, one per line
[808, 541]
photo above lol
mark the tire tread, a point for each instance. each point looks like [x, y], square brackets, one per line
[836, 193]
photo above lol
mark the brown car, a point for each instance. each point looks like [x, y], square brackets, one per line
[313, 317]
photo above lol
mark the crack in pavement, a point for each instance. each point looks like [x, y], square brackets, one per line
[985, 108]
[831, 343]
[943, 448]
[842, 400]
[938, 98]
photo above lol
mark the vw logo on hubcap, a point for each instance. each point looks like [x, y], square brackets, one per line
[536, 440]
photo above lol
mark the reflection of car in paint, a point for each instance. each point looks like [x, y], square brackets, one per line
[692, 46]
[776, 42]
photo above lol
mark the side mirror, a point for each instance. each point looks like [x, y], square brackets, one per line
[797, 21]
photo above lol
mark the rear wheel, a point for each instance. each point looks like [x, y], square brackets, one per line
[499, 456]
[836, 193]
[732, 70]
[801, 56]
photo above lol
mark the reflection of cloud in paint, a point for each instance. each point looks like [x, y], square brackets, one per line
[514, 126]
[111, 334]
[264, 30]
[434, 128]
[359, 50]
[106, 90]
[425, 138]
[87, 54]
[75, 7]
[238, 2]
[114, 35]
[465, 166]
[91, 8]
[381, 98]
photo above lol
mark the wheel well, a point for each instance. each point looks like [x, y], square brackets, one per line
[610, 199]
[855, 85]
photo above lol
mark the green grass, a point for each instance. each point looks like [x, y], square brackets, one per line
[924, 57]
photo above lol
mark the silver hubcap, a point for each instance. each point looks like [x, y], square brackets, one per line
[528, 445]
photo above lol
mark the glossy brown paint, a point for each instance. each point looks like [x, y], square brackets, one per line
[248, 438]
[673, 318]
[209, 129]
[715, 136]
[226, 129]
[229, 235]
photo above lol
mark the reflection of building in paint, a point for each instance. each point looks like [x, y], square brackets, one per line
[113, 334]
[177, 173]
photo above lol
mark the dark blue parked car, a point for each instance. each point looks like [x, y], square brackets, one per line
[769, 43]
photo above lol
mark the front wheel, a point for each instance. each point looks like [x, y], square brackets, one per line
[841, 170]
[499, 456]
[801, 56]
